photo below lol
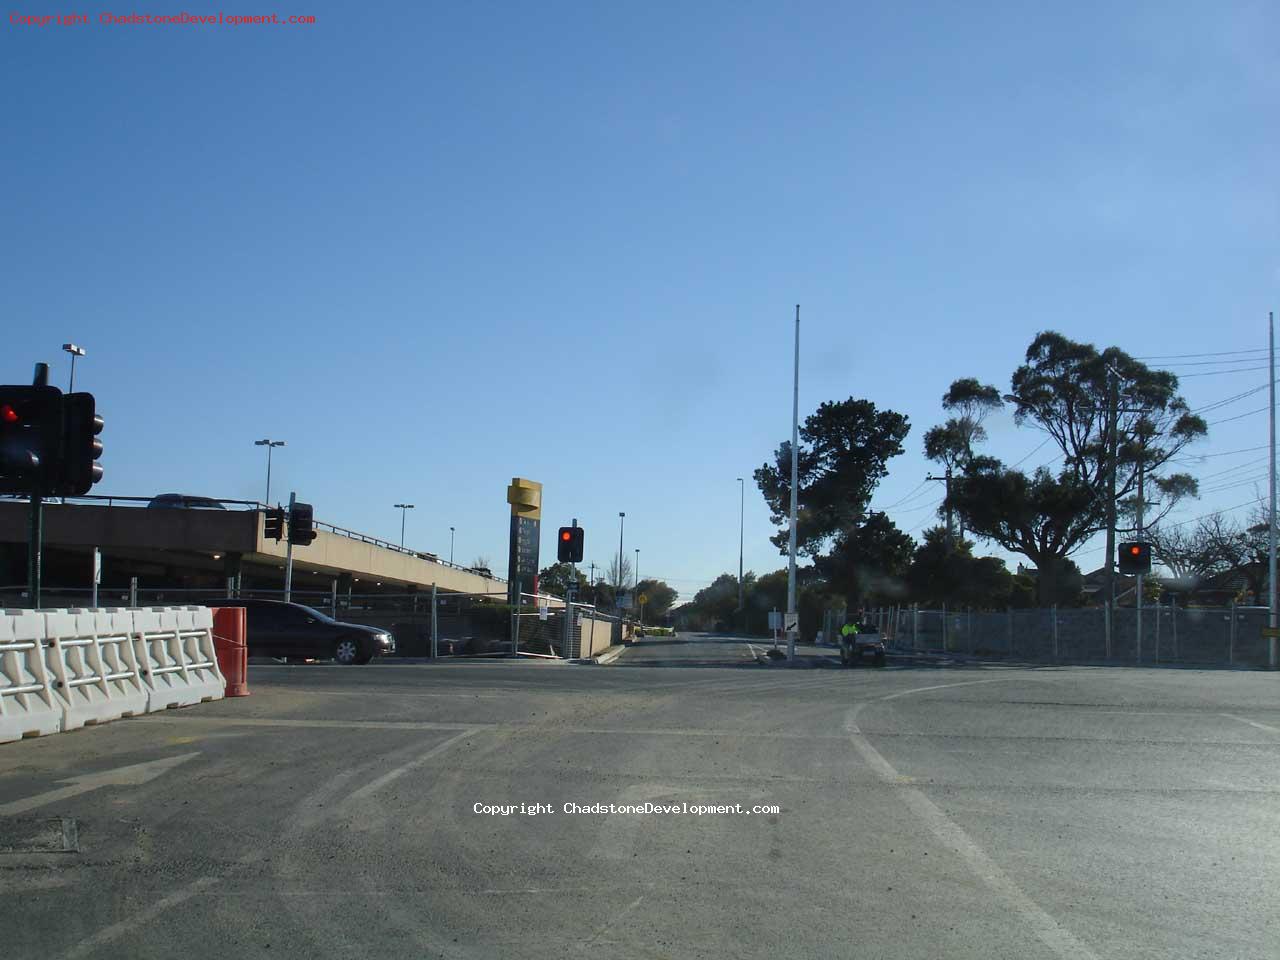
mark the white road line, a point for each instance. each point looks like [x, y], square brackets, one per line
[1253, 723]
[375, 785]
[952, 836]
[941, 686]
[132, 923]
[107, 934]
[752, 649]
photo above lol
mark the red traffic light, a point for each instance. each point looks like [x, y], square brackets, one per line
[1135, 551]
[566, 535]
[8, 414]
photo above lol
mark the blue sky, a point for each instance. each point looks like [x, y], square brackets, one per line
[436, 246]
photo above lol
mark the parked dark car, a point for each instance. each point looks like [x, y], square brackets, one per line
[298, 632]
[183, 501]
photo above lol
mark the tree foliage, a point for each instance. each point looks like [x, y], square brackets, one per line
[845, 448]
[1063, 388]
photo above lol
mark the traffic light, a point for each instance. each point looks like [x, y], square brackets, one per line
[1135, 558]
[569, 545]
[81, 448]
[30, 437]
[273, 524]
[301, 524]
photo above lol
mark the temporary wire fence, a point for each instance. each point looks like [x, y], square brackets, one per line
[1169, 634]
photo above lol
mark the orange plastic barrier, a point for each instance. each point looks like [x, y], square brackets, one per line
[229, 643]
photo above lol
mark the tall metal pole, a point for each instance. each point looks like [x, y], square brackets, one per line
[435, 628]
[35, 547]
[1271, 524]
[1112, 403]
[795, 484]
[1141, 496]
[635, 574]
[622, 520]
[451, 545]
[268, 500]
[71, 386]
[404, 509]
[288, 562]
[742, 607]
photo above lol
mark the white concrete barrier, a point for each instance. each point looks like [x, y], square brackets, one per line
[65, 669]
[91, 662]
[174, 648]
[28, 705]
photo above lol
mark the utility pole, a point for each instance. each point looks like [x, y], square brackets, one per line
[946, 478]
[792, 611]
[742, 606]
[1109, 586]
[1271, 520]
[1142, 463]
[622, 520]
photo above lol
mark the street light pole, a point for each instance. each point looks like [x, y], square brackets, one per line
[451, 546]
[1271, 519]
[269, 444]
[75, 351]
[404, 509]
[742, 610]
[792, 614]
[636, 572]
[622, 520]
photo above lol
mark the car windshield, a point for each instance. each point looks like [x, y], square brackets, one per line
[696, 479]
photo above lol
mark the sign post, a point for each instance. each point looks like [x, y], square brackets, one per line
[525, 498]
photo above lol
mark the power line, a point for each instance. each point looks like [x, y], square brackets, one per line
[1032, 453]
[1213, 373]
[1239, 416]
[1225, 453]
[917, 488]
[1214, 363]
[925, 507]
[1236, 468]
[1220, 353]
[1248, 503]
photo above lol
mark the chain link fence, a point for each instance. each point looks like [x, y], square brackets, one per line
[472, 625]
[1165, 634]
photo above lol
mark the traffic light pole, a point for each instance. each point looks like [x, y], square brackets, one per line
[40, 378]
[288, 554]
[34, 548]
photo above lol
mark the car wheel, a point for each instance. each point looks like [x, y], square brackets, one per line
[347, 651]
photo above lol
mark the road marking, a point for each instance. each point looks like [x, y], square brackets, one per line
[130, 776]
[506, 727]
[132, 923]
[752, 649]
[375, 785]
[942, 686]
[107, 934]
[1253, 723]
[952, 836]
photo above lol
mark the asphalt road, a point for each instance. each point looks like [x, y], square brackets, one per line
[923, 811]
